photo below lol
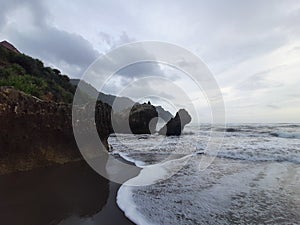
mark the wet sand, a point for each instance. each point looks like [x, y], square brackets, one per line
[66, 194]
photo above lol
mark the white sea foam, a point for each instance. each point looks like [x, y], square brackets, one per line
[149, 175]
[126, 203]
[225, 192]
[125, 156]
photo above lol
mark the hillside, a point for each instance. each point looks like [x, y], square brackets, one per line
[32, 77]
[123, 102]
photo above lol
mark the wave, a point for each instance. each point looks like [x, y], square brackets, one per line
[251, 158]
[149, 174]
[127, 205]
[125, 156]
[295, 135]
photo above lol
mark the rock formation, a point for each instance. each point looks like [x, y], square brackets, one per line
[163, 114]
[140, 119]
[143, 119]
[176, 124]
[36, 133]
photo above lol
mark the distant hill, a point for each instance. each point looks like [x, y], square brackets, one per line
[122, 102]
[32, 77]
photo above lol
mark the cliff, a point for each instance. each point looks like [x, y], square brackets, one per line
[36, 133]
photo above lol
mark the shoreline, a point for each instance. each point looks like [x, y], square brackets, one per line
[111, 214]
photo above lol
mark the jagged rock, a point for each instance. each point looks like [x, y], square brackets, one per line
[140, 119]
[36, 133]
[176, 124]
[163, 114]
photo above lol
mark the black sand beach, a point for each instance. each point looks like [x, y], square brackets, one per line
[66, 194]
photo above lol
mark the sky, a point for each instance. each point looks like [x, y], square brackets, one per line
[251, 47]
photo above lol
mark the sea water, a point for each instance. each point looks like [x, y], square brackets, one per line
[253, 179]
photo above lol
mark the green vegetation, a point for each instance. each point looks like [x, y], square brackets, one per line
[30, 76]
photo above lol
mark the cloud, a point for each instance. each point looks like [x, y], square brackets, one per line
[260, 80]
[56, 46]
[141, 69]
[244, 43]
[115, 41]
[37, 10]
[68, 51]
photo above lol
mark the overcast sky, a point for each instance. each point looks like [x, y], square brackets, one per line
[251, 47]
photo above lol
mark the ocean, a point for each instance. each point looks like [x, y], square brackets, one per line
[254, 178]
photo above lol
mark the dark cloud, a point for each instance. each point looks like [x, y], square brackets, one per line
[55, 45]
[126, 65]
[5, 6]
[37, 10]
[36, 7]
[70, 52]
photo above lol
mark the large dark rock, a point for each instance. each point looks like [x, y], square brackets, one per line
[36, 133]
[140, 119]
[143, 119]
[176, 124]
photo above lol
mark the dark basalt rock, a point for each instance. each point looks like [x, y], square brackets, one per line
[143, 119]
[36, 133]
[140, 119]
[176, 124]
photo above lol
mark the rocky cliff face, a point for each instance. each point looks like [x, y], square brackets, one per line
[175, 125]
[36, 133]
